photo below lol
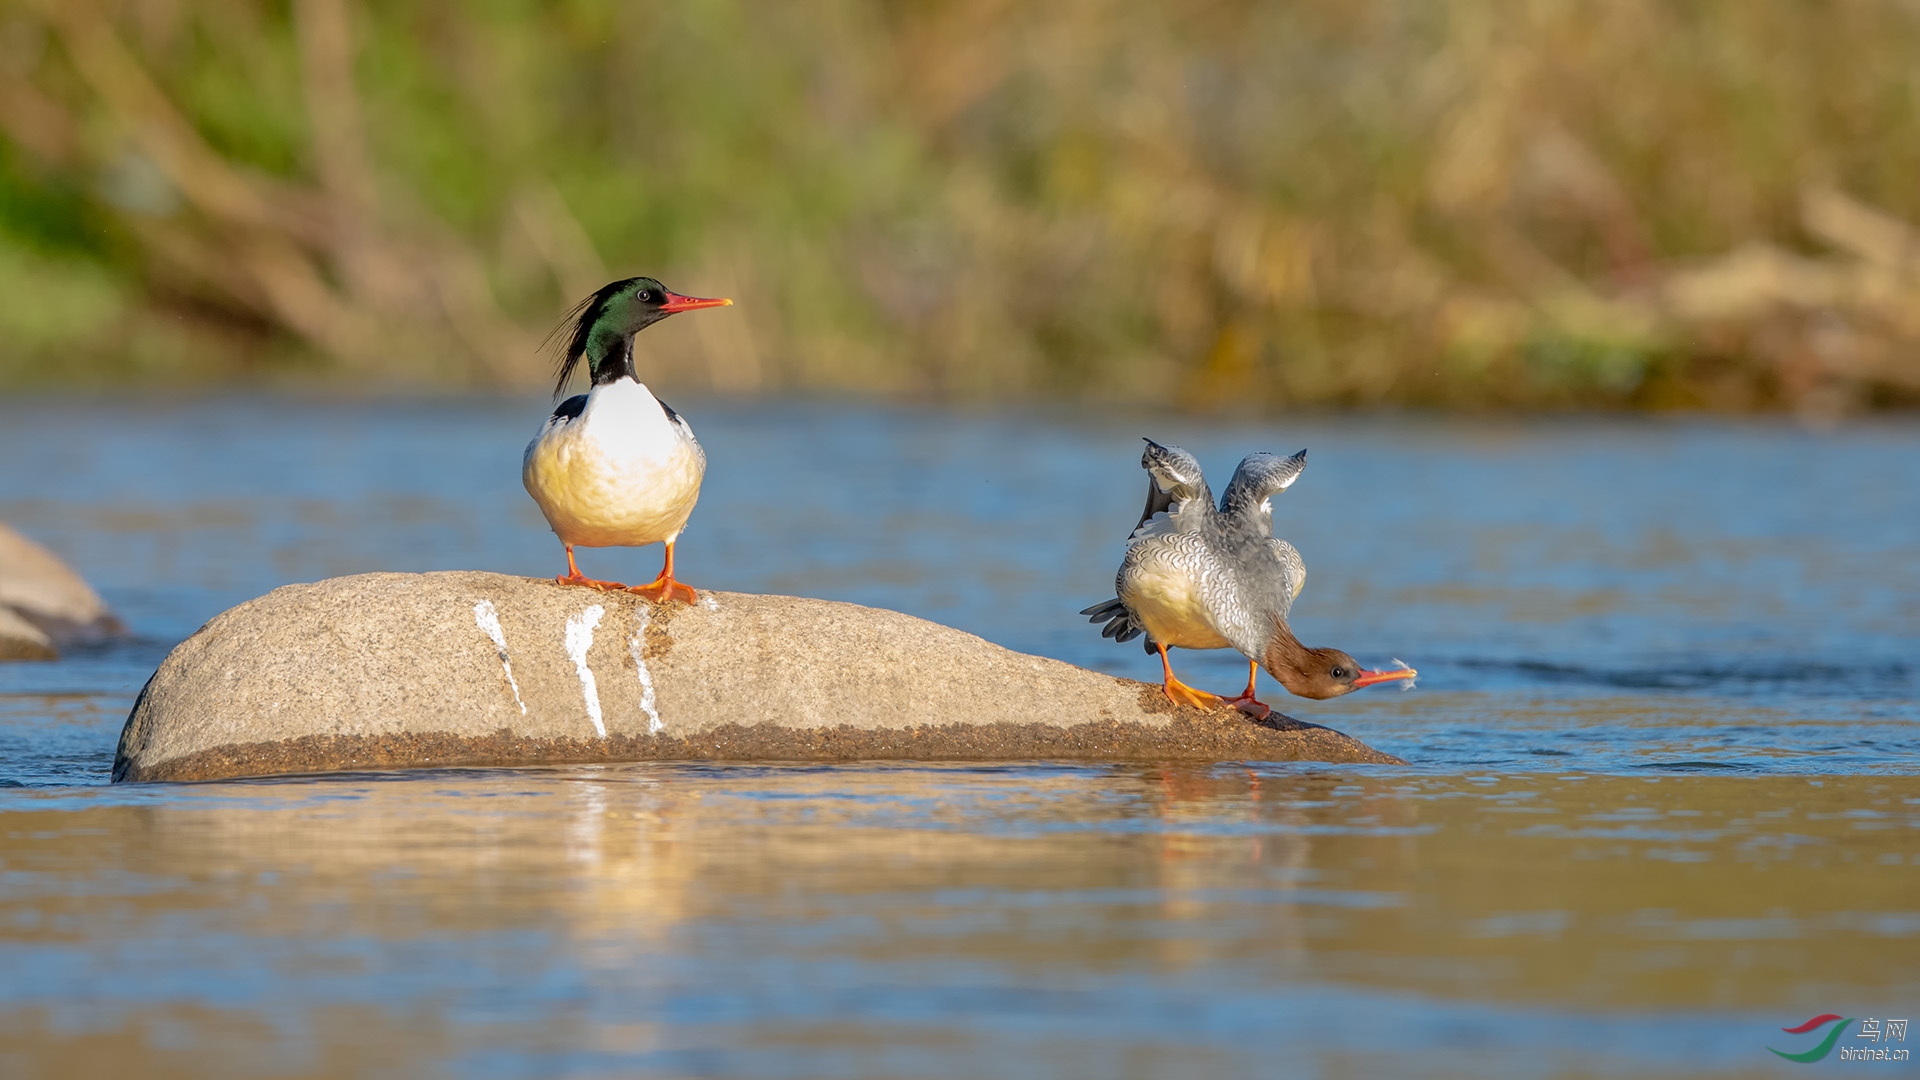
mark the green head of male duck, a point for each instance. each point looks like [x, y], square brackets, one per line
[604, 325]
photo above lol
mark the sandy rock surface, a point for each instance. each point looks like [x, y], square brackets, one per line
[409, 670]
[53, 603]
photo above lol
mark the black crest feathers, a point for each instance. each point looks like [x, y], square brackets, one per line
[581, 318]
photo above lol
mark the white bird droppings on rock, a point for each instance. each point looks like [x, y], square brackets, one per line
[637, 645]
[579, 640]
[489, 620]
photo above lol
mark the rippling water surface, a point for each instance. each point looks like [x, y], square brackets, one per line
[1662, 799]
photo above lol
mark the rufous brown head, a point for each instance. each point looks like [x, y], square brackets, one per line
[1320, 673]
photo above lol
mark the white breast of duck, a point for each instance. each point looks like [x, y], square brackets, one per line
[1169, 582]
[618, 468]
[1200, 578]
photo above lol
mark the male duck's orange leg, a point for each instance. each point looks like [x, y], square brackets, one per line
[573, 576]
[1180, 693]
[664, 588]
[1246, 702]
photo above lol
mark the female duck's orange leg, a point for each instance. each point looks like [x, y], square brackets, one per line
[1180, 693]
[573, 576]
[1246, 702]
[664, 588]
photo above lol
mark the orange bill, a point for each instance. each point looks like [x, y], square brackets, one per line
[1368, 678]
[676, 302]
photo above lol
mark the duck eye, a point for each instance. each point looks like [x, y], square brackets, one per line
[1339, 673]
[646, 296]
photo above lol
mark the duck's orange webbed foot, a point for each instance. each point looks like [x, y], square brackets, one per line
[591, 583]
[663, 588]
[1246, 702]
[1182, 694]
[573, 576]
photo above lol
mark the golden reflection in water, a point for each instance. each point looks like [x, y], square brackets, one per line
[1534, 892]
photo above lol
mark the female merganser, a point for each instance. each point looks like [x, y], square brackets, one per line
[1201, 577]
[615, 467]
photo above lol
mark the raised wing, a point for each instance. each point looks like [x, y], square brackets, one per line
[1175, 486]
[1259, 478]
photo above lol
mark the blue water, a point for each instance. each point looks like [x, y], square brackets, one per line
[1611, 595]
[1663, 792]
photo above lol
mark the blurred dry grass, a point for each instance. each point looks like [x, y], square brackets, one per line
[1210, 202]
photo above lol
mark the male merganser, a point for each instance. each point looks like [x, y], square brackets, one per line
[1201, 577]
[615, 466]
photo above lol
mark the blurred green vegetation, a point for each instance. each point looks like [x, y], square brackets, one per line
[1215, 203]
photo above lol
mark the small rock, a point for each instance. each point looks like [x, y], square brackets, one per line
[21, 640]
[39, 589]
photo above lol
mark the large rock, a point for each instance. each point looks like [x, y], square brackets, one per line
[404, 670]
[53, 603]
